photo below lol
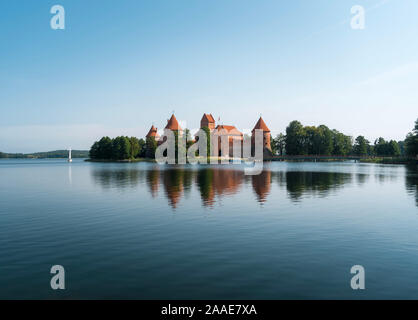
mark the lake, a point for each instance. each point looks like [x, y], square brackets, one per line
[144, 231]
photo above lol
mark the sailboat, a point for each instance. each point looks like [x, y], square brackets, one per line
[69, 156]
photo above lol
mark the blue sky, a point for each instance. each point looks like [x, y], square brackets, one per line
[120, 66]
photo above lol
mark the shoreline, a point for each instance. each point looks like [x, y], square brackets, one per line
[396, 161]
[120, 161]
[406, 161]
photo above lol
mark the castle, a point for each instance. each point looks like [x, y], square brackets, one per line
[221, 131]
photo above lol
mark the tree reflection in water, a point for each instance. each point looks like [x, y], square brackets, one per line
[411, 182]
[212, 183]
[300, 184]
[117, 178]
[217, 182]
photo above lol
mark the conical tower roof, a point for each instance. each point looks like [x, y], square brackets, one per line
[152, 132]
[261, 125]
[173, 124]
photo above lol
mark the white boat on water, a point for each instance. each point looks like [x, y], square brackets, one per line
[69, 156]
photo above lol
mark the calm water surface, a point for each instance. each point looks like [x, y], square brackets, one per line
[146, 231]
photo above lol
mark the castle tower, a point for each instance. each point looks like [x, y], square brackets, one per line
[173, 124]
[207, 121]
[153, 132]
[261, 125]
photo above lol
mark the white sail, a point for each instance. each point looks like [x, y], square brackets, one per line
[69, 156]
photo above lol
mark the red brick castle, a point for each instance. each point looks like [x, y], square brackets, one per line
[221, 130]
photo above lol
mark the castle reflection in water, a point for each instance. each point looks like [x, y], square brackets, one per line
[213, 182]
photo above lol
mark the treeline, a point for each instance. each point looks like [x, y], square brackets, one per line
[411, 142]
[46, 155]
[381, 147]
[123, 148]
[298, 140]
[311, 140]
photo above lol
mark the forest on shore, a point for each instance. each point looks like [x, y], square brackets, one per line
[311, 140]
[46, 155]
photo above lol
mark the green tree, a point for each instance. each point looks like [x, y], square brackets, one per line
[361, 146]
[121, 148]
[295, 139]
[135, 147]
[102, 149]
[94, 151]
[381, 147]
[323, 140]
[385, 148]
[411, 145]
[179, 148]
[411, 142]
[311, 140]
[188, 134]
[151, 146]
[401, 145]
[208, 149]
[142, 148]
[189, 140]
[278, 144]
[394, 149]
[342, 144]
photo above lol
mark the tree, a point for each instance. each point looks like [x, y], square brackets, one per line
[324, 140]
[411, 142]
[151, 146]
[121, 148]
[278, 144]
[94, 151]
[188, 134]
[208, 149]
[361, 146]
[135, 147]
[401, 145]
[295, 139]
[311, 140]
[386, 148]
[102, 149]
[370, 150]
[342, 144]
[411, 145]
[394, 149]
[189, 139]
[180, 149]
[381, 147]
[106, 148]
[142, 148]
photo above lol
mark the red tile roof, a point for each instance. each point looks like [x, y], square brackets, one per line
[230, 129]
[209, 117]
[152, 132]
[261, 125]
[173, 124]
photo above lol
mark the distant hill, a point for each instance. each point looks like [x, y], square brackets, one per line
[48, 154]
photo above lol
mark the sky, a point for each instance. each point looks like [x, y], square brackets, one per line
[121, 66]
